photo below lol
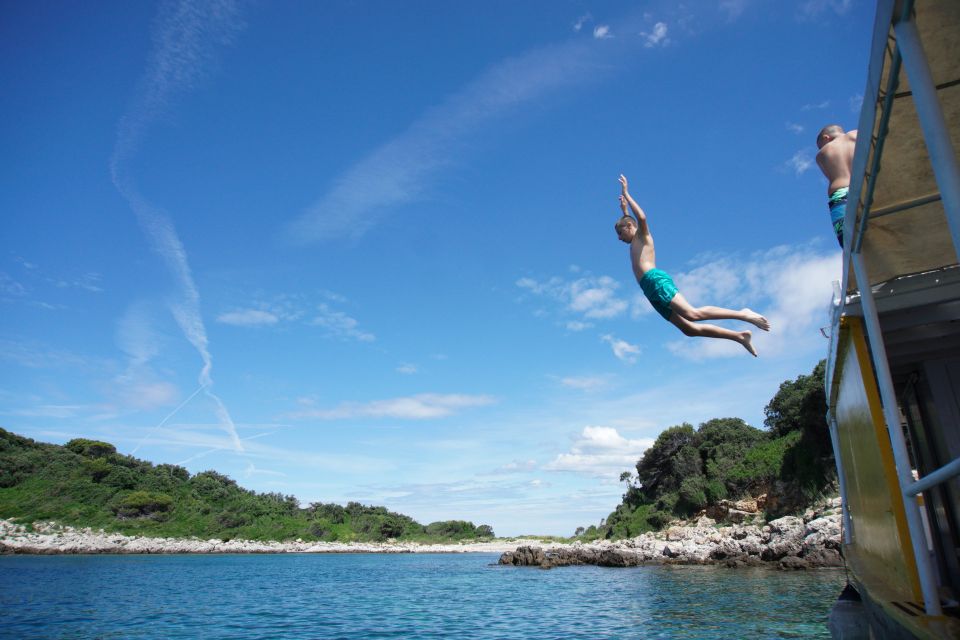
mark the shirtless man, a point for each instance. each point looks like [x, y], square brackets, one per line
[835, 159]
[662, 292]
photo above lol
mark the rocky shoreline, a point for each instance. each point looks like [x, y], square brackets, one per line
[788, 543]
[791, 542]
[50, 538]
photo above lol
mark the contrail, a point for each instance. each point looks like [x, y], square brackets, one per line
[215, 449]
[187, 37]
[164, 421]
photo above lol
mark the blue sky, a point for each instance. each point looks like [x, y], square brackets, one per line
[364, 251]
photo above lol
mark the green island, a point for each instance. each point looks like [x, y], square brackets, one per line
[688, 470]
[88, 483]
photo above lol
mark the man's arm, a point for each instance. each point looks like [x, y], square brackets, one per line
[637, 211]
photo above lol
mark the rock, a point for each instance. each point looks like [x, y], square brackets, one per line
[676, 533]
[785, 538]
[728, 548]
[823, 558]
[523, 557]
[793, 563]
[618, 558]
[718, 511]
[704, 522]
[747, 506]
[737, 516]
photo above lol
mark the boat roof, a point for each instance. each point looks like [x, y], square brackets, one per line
[898, 221]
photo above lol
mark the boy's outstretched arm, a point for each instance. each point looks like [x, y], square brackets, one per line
[637, 211]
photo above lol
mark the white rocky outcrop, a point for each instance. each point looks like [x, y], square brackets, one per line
[51, 538]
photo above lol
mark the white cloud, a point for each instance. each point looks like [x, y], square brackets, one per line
[139, 386]
[790, 285]
[815, 106]
[801, 162]
[147, 395]
[10, 287]
[248, 318]
[794, 127]
[622, 349]
[50, 411]
[602, 31]
[402, 169]
[733, 8]
[252, 470]
[293, 308]
[577, 325]
[813, 8]
[40, 356]
[658, 36]
[407, 369]
[856, 103]
[600, 452]
[582, 20]
[418, 407]
[340, 325]
[87, 282]
[515, 466]
[584, 383]
[592, 297]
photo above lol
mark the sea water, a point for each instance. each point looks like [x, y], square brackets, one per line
[400, 596]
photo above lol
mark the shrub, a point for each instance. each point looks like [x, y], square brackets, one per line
[332, 512]
[97, 469]
[232, 519]
[173, 470]
[693, 494]
[121, 478]
[141, 504]
[91, 448]
[658, 519]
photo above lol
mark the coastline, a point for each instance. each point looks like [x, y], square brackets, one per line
[790, 542]
[50, 538]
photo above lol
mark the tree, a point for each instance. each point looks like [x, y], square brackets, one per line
[655, 470]
[799, 405]
[91, 448]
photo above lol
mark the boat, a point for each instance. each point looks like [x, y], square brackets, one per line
[893, 369]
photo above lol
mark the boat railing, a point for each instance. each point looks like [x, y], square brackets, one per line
[904, 49]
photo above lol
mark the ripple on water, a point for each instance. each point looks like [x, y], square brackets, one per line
[400, 596]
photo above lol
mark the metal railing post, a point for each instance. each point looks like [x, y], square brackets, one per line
[928, 581]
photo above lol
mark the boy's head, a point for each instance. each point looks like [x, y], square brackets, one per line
[626, 229]
[828, 133]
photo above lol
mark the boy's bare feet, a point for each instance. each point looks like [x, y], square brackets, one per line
[746, 340]
[756, 319]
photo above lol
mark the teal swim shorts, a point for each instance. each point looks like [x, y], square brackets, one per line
[658, 286]
[838, 209]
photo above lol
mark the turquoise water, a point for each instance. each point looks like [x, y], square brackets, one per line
[399, 596]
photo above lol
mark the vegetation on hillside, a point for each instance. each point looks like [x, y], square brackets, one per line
[87, 483]
[688, 469]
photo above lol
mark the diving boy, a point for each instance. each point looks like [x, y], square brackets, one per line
[662, 292]
[835, 160]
